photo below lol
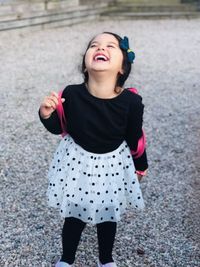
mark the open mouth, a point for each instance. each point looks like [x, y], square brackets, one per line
[101, 58]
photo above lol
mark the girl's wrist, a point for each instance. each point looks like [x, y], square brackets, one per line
[142, 173]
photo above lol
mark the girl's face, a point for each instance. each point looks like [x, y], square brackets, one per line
[104, 54]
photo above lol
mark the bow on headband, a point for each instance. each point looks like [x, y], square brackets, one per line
[124, 45]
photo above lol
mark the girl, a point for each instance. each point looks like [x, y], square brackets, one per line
[92, 176]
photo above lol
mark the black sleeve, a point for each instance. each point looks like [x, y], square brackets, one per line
[134, 131]
[52, 124]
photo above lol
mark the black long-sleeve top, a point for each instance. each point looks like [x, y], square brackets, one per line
[100, 125]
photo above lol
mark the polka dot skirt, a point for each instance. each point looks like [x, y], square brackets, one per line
[93, 187]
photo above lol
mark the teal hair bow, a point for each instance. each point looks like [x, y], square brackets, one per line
[124, 45]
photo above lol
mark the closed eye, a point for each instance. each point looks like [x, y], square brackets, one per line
[93, 45]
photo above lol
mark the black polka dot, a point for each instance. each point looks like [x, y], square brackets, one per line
[113, 174]
[76, 205]
[102, 166]
[89, 174]
[120, 163]
[79, 215]
[50, 184]
[113, 156]
[58, 160]
[119, 189]
[58, 204]
[74, 179]
[73, 159]
[111, 165]
[91, 157]
[133, 182]
[91, 201]
[61, 180]
[53, 167]
[117, 209]
[61, 210]
[98, 193]
[97, 210]
[115, 192]
[86, 192]
[72, 195]
[131, 191]
[138, 197]
[120, 204]
[99, 175]
[84, 173]
[106, 191]
[117, 173]
[68, 164]
[96, 166]
[93, 184]
[80, 189]
[106, 208]
[127, 166]
[55, 195]
[101, 218]
[106, 174]
[84, 209]
[111, 200]
[79, 162]
[111, 218]
[67, 154]
[72, 169]
[67, 195]
[102, 201]
[59, 170]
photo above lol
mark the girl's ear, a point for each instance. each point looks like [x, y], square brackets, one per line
[121, 71]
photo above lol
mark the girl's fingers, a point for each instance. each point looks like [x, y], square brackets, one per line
[52, 103]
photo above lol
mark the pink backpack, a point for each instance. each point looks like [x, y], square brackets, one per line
[63, 121]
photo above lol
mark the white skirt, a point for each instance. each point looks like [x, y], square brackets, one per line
[93, 187]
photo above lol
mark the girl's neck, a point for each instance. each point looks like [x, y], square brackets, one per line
[102, 87]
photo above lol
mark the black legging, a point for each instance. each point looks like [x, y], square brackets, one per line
[71, 234]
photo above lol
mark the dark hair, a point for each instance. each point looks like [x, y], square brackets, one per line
[126, 65]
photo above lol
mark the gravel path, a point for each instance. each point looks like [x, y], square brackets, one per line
[166, 72]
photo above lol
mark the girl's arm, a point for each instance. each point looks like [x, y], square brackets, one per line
[48, 114]
[134, 131]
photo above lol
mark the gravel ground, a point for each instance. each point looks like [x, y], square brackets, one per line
[166, 72]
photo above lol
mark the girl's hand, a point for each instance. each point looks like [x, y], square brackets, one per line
[49, 105]
[140, 174]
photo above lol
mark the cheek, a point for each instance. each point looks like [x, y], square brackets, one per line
[88, 57]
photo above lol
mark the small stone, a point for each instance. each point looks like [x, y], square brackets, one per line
[140, 250]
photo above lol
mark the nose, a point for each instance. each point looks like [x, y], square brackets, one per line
[100, 48]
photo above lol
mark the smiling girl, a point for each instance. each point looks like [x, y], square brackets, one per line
[97, 166]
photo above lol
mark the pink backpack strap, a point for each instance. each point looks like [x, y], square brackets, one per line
[61, 114]
[142, 141]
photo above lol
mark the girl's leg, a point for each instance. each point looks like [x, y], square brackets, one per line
[71, 234]
[106, 232]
